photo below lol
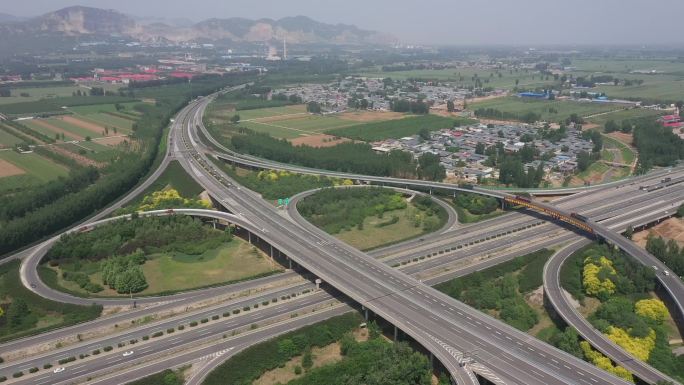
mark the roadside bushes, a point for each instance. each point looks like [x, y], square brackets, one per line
[604, 362]
[337, 209]
[249, 364]
[30, 307]
[497, 288]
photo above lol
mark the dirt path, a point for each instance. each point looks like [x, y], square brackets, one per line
[56, 129]
[603, 113]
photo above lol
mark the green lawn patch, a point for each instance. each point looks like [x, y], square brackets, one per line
[367, 218]
[16, 183]
[261, 113]
[35, 165]
[8, 140]
[31, 124]
[621, 115]
[55, 105]
[231, 262]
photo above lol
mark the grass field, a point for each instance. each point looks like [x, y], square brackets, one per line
[39, 93]
[55, 105]
[665, 86]
[100, 108]
[371, 236]
[616, 65]
[627, 154]
[621, 115]
[273, 111]
[293, 126]
[10, 184]
[545, 108]
[35, 165]
[77, 131]
[36, 125]
[490, 78]
[172, 272]
[593, 172]
[8, 140]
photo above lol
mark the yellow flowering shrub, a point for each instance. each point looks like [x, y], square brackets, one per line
[638, 347]
[170, 198]
[654, 309]
[604, 362]
[593, 285]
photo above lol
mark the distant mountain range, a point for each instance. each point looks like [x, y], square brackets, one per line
[82, 21]
[7, 18]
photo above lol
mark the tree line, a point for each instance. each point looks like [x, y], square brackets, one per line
[417, 107]
[668, 252]
[492, 113]
[345, 157]
[657, 145]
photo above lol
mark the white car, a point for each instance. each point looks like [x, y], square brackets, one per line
[655, 267]
[58, 370]
[128, 353]
[666, 272]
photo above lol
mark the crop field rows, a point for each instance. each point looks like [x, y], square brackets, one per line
[91, 136]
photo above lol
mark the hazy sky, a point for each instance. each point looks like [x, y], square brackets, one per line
[434, 21]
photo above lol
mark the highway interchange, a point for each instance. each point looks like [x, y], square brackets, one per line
[428, 316]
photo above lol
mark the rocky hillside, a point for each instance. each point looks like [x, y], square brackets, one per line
[77, 21]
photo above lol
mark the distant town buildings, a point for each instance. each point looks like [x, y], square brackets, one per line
[457, 149]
